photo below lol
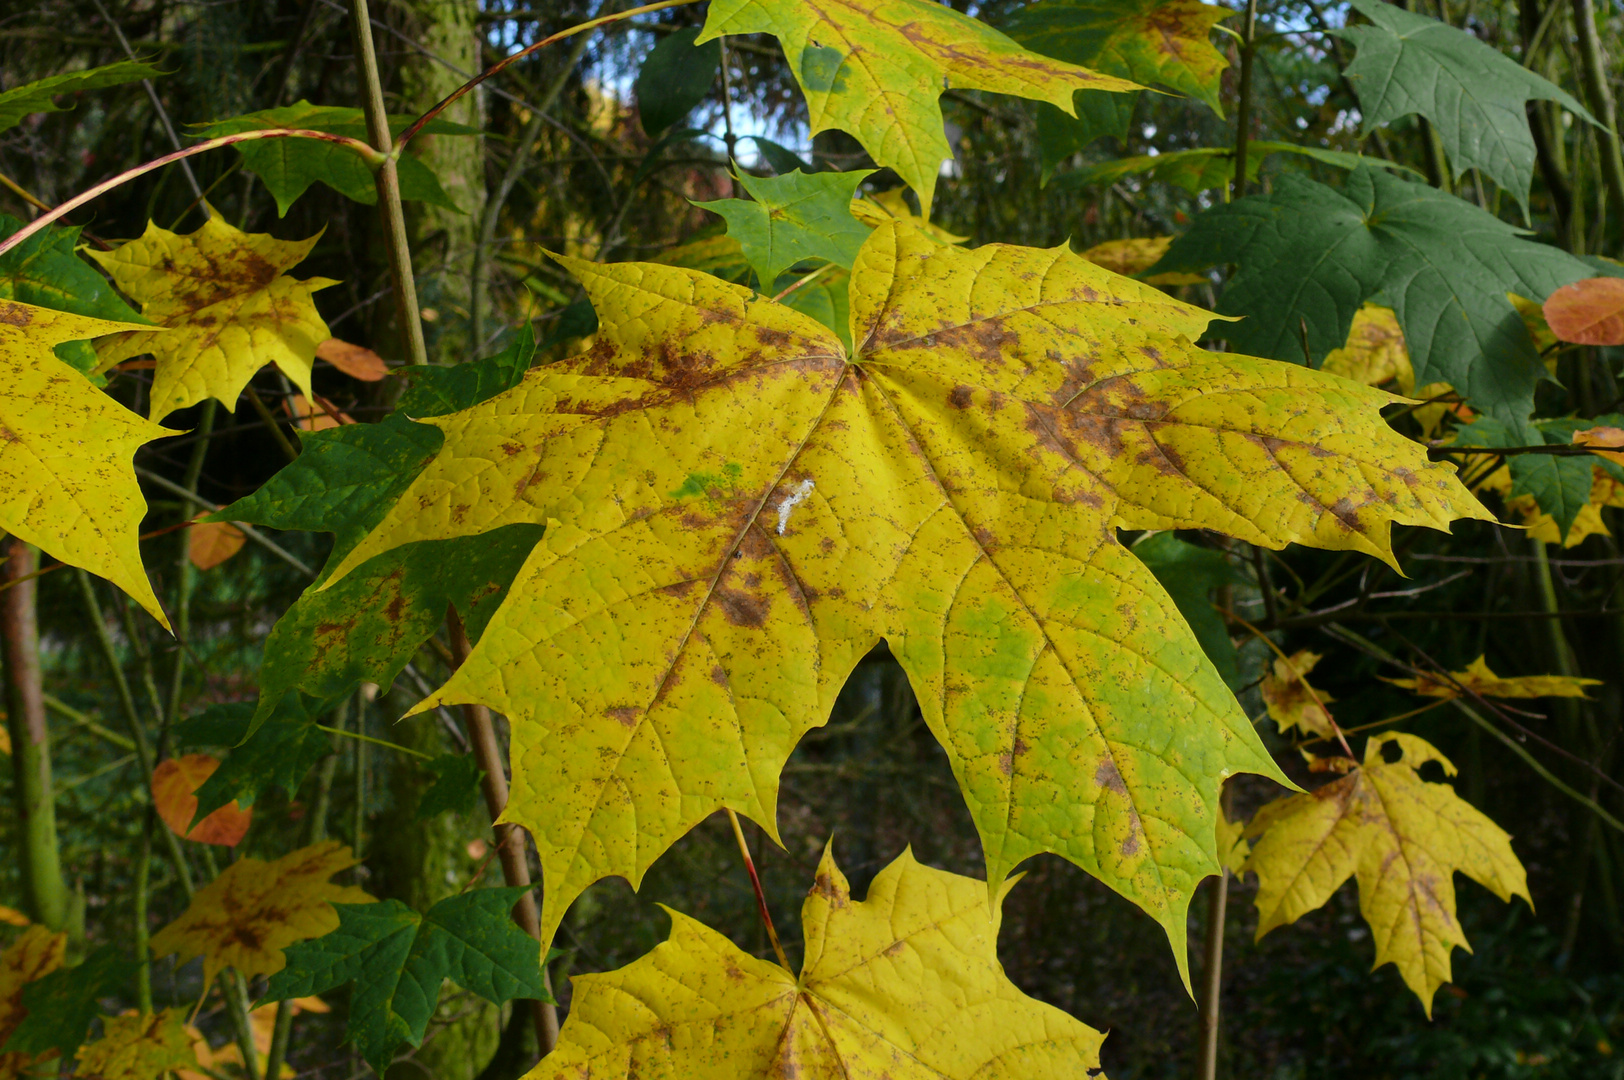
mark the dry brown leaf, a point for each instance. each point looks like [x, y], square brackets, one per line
[173, 783]
[210, 543]
[356, 361]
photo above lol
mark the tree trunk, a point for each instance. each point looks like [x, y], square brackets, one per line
[443, 240]
[46, 892]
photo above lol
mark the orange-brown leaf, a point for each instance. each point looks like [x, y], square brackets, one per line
[173, 783]
[1588, 312]
[245, 917]
[356, 361]
[210, 543]
[1608, 442]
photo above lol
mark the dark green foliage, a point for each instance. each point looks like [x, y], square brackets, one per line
[398, 959]
[456, 786]
[1308, 255]
[1189, 574]
[38, 97]
[280, 752]
[676, 76]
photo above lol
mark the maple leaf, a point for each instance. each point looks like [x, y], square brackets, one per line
[1154, 42]
[173, 784]
[892, 205]
[1292, 702]
[794, 217]
[1605, 490]
[38, 97]
[1560, 486]
[344, 480]
[904, 984]
[1589, 312]
[877, 70]
[456, 786]
[227, 304]
[356, 361]
[59, 1005]
[137, 1047]
[1189, 574]
[674, 78]
[245, 917]
[288, 167]
[1133, 256]
[45, 271]
[398, 959]
[1472, 93]
[210, 543]
[1308, 254]
[1375, 352]
[1478, 679]
[1233, 849]
[1606, 441]
[65, 454]
[278, 752]
[1404, 838]
[739, 510]
[36, 953]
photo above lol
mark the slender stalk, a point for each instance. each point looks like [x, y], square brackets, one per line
[591, 24]
[510, 838]
[388, 182]
[143, 933]
[268, 418]
[185, 572]
[43, 884]
[373, 741]
[755, 883]
[1243, 104]
[371, 156]
[1599, 97]
[1212, 967]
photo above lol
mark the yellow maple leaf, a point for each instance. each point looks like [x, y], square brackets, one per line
[1478, 679]
[228, 308]
[737, 510]
[245, 917]
[1404, 838]
[876, 69]
[905, 984]
[1605, 490]
[1375, 352]
[1292, 701]
[1232, 846]
[893, 206]
[65, 452]
[1136, 255]
[137, 1047]
[1607, 441]
[36, 953]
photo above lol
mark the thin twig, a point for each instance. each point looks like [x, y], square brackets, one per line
[755, 883]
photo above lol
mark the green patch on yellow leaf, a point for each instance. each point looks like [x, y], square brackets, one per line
[905, 984]
[954, 487]
[1403, 837]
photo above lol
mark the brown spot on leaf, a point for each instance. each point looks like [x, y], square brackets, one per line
[624, 714]
[15, 315]
[960, 397]
[742, 608]
[1107, 776]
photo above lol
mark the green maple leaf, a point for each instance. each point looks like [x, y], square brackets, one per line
[37, 97]
[44, 271]
[740, 510]
[456, 786]
[877, 70]
[279, 752]
[398, 960]
[1560, 485]
[61, 1005]
[345, 479]
[1472, 93]
[1189, 574]
[1153, 42]
[675, 77]
[1309, 255]
[289, 166]
[794, 217]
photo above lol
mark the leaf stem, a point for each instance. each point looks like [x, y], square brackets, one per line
[510, 838]
[373, 741]
[1243, 104]
[457, 94]
[373, 159]
[755, 883]
[1212, 967]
